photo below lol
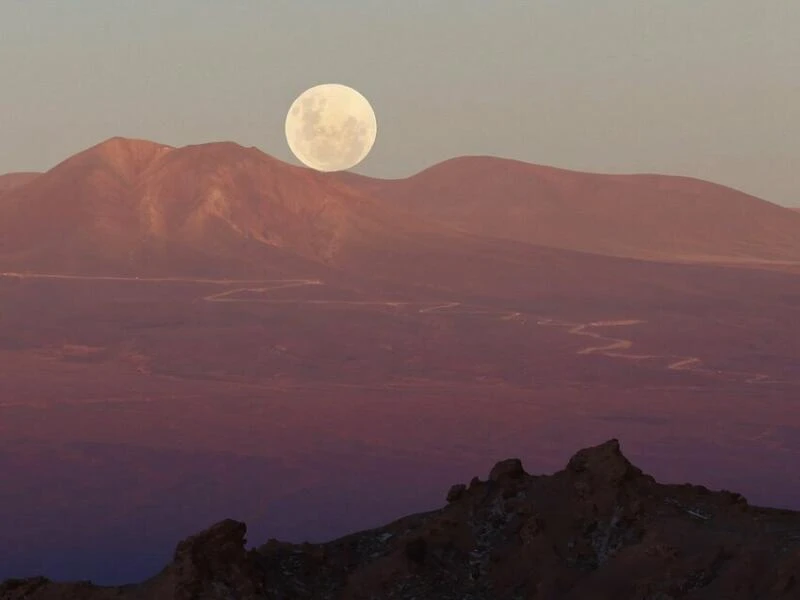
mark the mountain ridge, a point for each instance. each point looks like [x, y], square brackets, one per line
[599, 529]
[135, 207]
[647, 216]
[9, 181]
[217, 201]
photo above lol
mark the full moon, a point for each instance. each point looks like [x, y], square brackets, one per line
[331, 127]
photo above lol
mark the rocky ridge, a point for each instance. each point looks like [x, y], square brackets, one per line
[599, 529]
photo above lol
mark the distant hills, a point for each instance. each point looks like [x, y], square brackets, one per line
[137, 207]
[640, 216]
[134, 206]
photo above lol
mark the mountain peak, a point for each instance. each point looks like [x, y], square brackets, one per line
[118, 147]
[127, 158]
[125, 205]
[604, 461]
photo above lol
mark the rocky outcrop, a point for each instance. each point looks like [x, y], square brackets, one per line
[599, 529]
[214, 563]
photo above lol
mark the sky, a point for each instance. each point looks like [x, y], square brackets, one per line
[704, 88]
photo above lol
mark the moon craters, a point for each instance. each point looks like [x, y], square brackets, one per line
[331, 127]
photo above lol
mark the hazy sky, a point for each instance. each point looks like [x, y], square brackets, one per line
[707, 88]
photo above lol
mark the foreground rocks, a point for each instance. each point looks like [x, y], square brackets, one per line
[600, 529]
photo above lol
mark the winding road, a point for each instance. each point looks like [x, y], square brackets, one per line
[610, 346]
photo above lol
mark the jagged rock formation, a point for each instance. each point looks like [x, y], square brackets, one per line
[599, 529]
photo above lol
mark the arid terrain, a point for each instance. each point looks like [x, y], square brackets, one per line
[639, 216]
[12, 180]
[598, 529]
[190, 334]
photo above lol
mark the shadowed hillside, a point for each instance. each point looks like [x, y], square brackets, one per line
[598, 529]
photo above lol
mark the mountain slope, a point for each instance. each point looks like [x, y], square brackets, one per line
[132, 206]
[138, 208]
[12, 180]
[638, 216]
[600, 529]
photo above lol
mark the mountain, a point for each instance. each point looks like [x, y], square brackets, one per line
[599, 529]
[639, 216]
[12, 180]
[133, 206]
[138, 208]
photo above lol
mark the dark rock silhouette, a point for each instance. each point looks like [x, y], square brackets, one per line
[599, 529]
